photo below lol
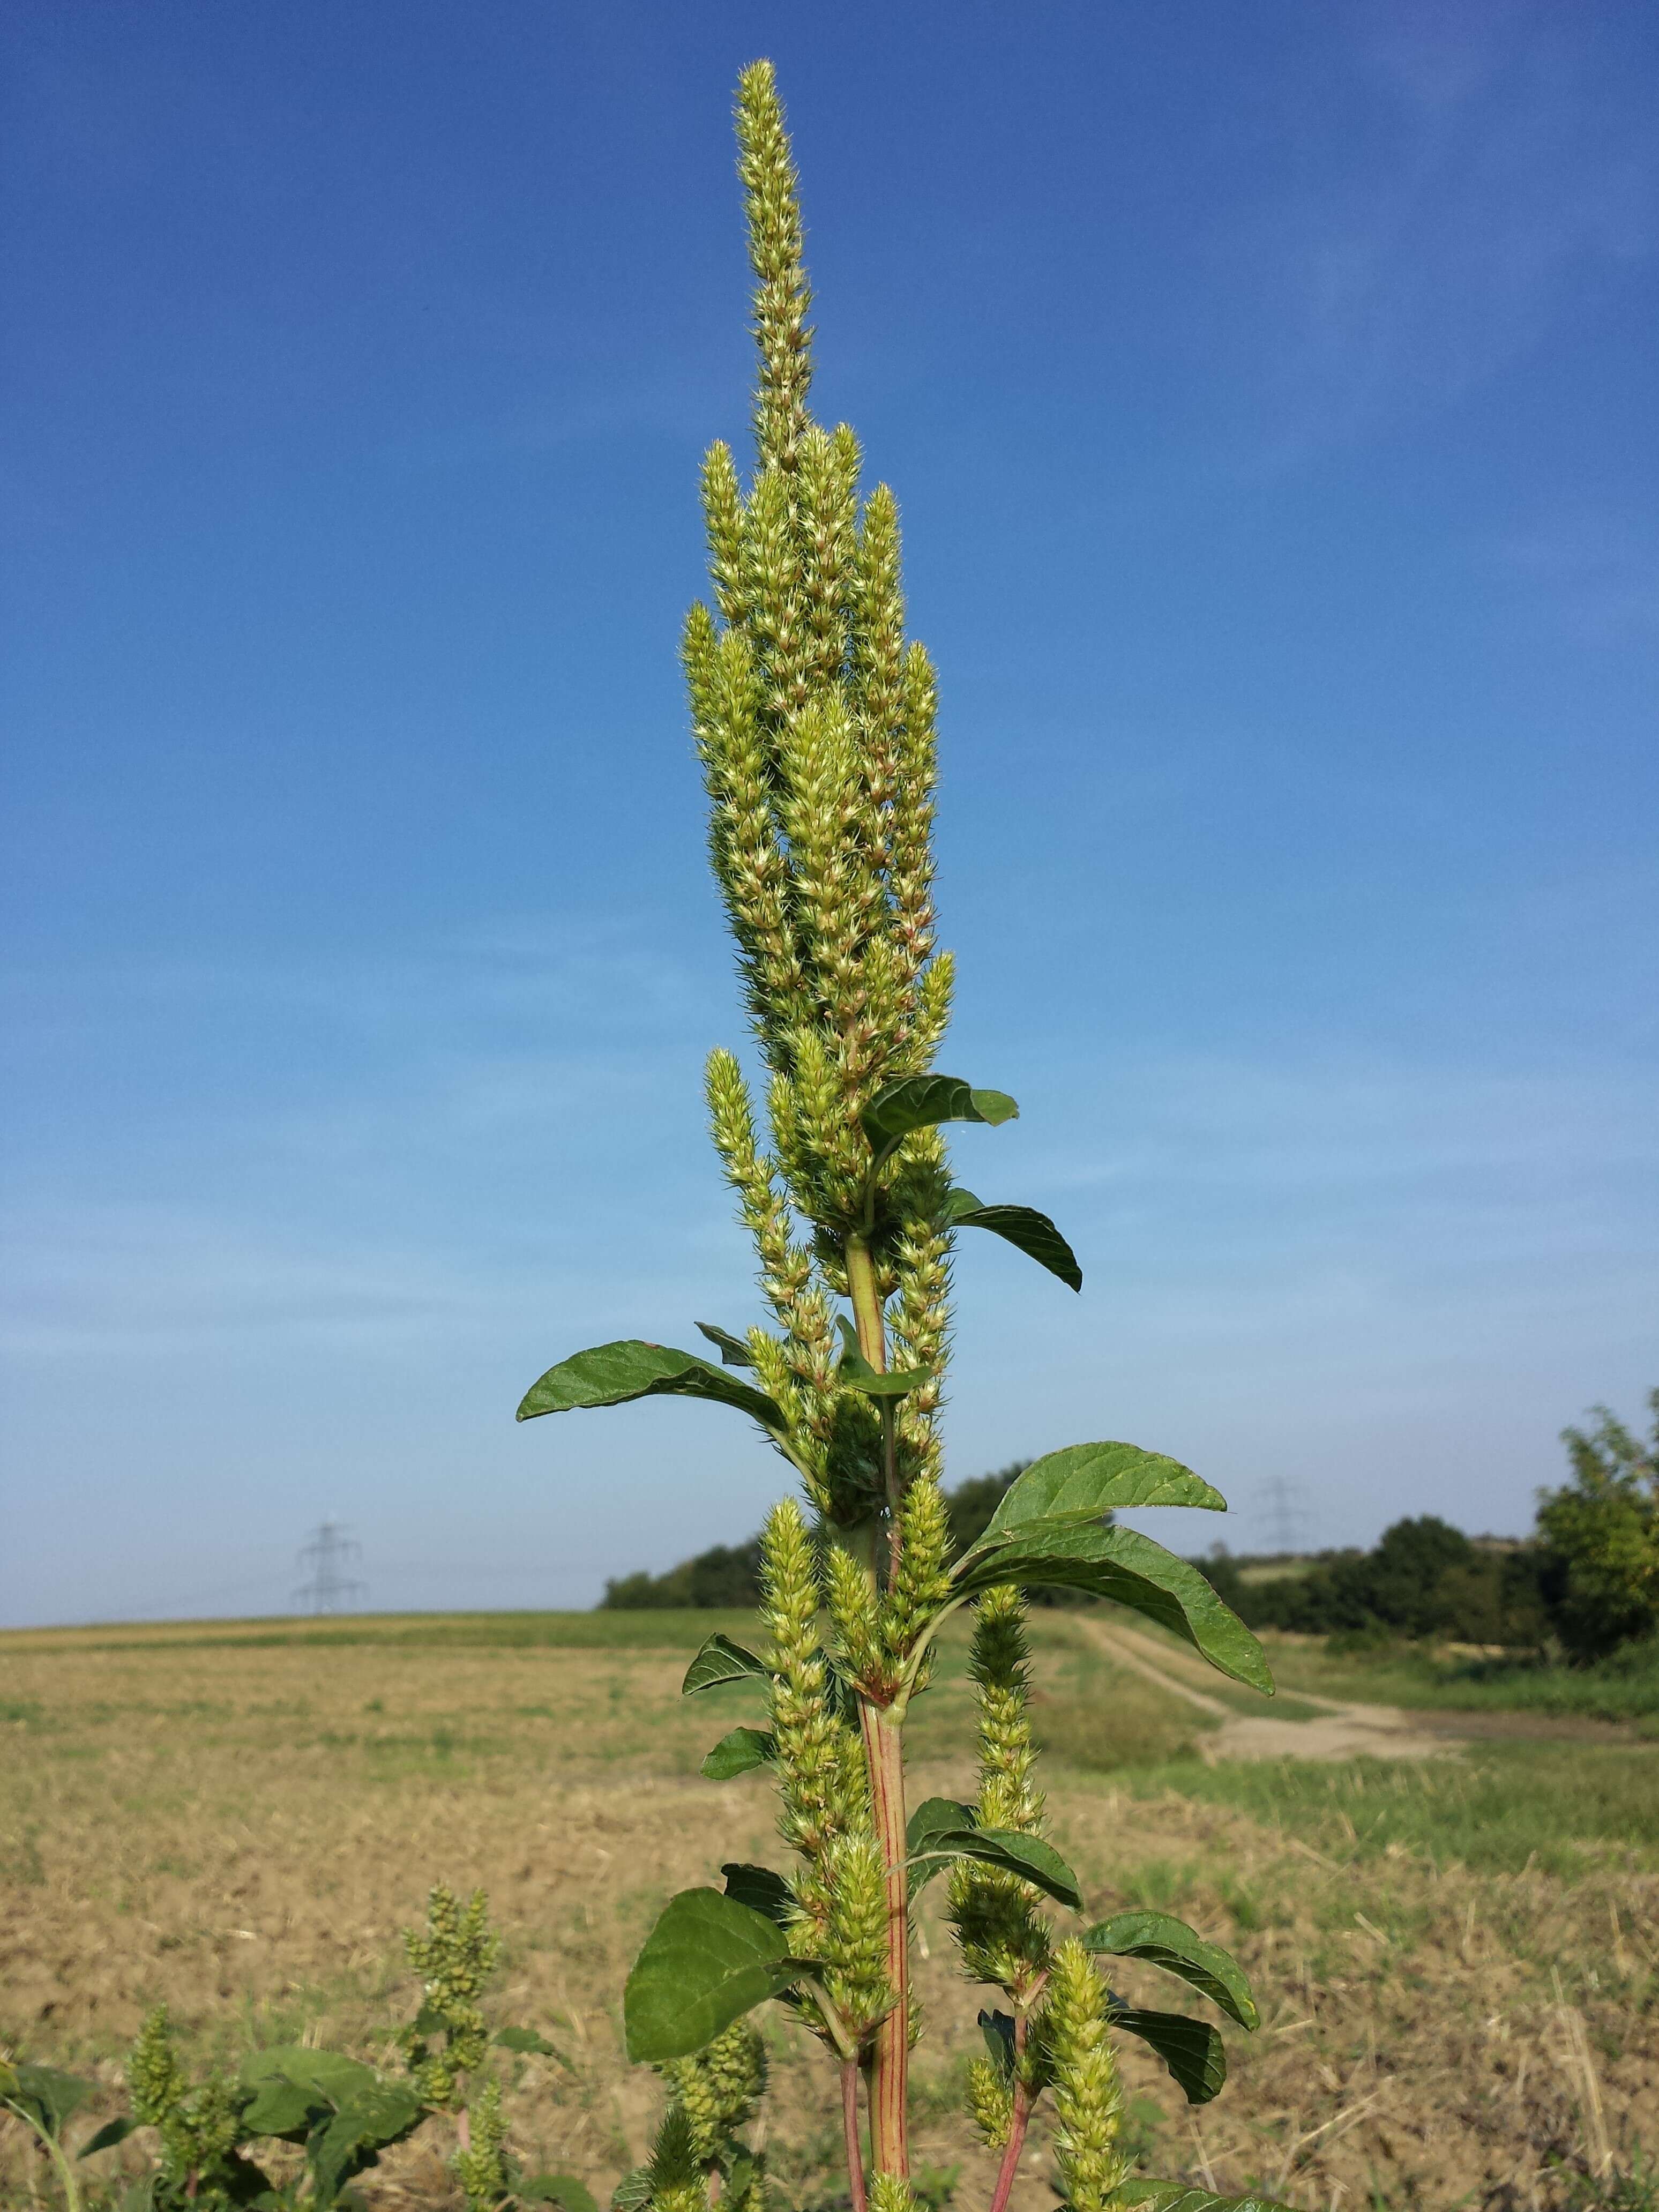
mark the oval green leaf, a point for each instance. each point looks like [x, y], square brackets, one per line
[720, 1661]
[1084, 1481]
[328, 2075]
[525, 2039]
[359, 2131]
[762, 1889]
[935, 1816]
[1163, 1941]
[47, 2097]
[1122, 1564]
[281, 2108]
[1023, 1226]
[708, 1961]
[112, 2132]
[922, 1102]
[734, 1351]
[1191, 2049]
[998, 2029]
[855, 1372]
[614, 1373]
[1028, 1856]
[740, 1753]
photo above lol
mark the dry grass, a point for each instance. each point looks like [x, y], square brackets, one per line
[241, 1827]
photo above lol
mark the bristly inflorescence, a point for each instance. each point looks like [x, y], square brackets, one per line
[454, 1957]
[814, 719]
[1004, 1936]
[1088, 2100]
[824, 1787]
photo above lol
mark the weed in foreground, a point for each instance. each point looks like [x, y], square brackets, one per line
[293, 2128]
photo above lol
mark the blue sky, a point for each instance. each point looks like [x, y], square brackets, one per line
[1269, 394]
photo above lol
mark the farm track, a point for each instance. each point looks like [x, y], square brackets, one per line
[1337, 1729]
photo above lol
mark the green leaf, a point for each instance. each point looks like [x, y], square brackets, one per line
[525, 2039]
[112, 2132]
[855, 1372]
[734, 1351]
[280, 2107]
[760, 1890]
[1122, 1564]
[1023, 1226]
[614, 1373]
[244, 2184]
[1180, 2197]
[740, 1753]
[921, 1102]
[1191, 2049]
[708, 1961]
[721, 1660]
[1084, 1481]
[359, 2131]
[45, 2096]
[332, 2078]
[998, 2029]
[561, 2189]
[1163, 1941]
[633, 2192]
[935, 1816]
[1029, 1857]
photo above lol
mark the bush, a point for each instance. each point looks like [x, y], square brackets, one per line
[1424, 1578]
[724, 1576]
[1602, 1534]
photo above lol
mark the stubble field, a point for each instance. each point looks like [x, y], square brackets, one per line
[1457, 1958]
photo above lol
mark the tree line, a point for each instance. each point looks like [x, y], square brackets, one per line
[1585, 1582]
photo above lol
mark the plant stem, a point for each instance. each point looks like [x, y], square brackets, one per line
[54, 2153]
[1010, 2165]
[866, 1304]
[868, 1320]
[883, 1751]
[849, 2123]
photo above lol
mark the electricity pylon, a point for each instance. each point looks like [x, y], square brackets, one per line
[329, 1552]
[1280, 1505]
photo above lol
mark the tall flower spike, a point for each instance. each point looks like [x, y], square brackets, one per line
[820, 1776]
[1088, 2100]
[674, 2178]
[772, 195]
[1002, 1934]
[719, 2089]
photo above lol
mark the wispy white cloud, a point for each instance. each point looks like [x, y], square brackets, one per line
[1600, 574]
[1502, 173]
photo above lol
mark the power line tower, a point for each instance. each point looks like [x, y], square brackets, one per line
[328, 1553]
[1281, 1507]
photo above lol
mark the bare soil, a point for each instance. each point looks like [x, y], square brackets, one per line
[243, 1831]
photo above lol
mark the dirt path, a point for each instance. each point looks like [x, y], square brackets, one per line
[1336, 1731]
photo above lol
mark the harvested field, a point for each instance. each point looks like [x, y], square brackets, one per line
[1458, 1963]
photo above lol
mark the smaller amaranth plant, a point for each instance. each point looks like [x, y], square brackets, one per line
[338, 2113]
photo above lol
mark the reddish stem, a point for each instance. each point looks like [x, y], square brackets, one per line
[884, 1747]
[849, 2123]
[1010, 2165]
